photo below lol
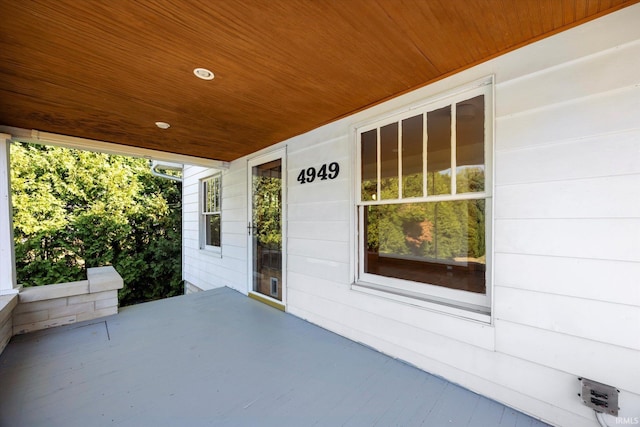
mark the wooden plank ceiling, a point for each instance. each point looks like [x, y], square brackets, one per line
[109, 69]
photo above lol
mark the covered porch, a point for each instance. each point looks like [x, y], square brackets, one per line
[219, 358]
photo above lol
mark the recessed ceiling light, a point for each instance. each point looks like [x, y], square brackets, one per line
[163, 125]
[203, 73]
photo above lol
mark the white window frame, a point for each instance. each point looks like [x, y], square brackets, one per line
[203, 213]
[453, 301]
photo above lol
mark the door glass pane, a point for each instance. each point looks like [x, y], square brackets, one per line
[439, 151]
[439, 243]
[389, 162]
[412, 157]
[369, 167]
[470, 145]
[267, 229]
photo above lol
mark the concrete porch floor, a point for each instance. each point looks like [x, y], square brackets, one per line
[217, 358]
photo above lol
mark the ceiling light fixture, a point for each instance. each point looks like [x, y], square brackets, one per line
[163, 125]
[203, 73]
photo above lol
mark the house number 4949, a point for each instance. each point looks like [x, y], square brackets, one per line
[326, 171]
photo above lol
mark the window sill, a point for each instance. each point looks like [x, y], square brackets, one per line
[443, 306]
[212, 251]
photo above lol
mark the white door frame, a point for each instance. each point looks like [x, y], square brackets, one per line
[251, 162]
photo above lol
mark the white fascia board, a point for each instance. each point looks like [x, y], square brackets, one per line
[39, 137]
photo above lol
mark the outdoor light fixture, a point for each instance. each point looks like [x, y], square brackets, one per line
[203, 73]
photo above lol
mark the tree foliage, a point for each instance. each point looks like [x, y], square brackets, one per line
[267, 211]
[77, 209]
[447, 230]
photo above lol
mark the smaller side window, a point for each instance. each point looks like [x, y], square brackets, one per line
[211, 201]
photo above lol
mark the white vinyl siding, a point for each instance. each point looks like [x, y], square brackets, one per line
[566, 231]
[567, 228]
[207, 269]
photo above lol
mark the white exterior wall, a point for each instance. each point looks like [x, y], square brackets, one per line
[208, 269]
[566, 288]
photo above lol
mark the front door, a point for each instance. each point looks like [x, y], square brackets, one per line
[266, 216]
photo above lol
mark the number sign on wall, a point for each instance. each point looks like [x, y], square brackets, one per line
[325, 172]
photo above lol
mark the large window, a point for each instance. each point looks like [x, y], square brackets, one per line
[211, 212]
[424, 200]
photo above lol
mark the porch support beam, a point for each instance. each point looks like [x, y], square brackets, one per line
[7, 253]
[39, 137]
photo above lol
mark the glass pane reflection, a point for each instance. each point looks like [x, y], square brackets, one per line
[439, 151]
[470, 145]
[369, 165]
[440, 243]
[389, 162]
[412, 157]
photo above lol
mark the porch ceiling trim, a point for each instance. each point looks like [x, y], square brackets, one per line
[47, 138]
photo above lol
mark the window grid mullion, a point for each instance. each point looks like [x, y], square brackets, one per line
[428, 199]
[378, 165]
[425, 138]
[399, 147]
[453, 147]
